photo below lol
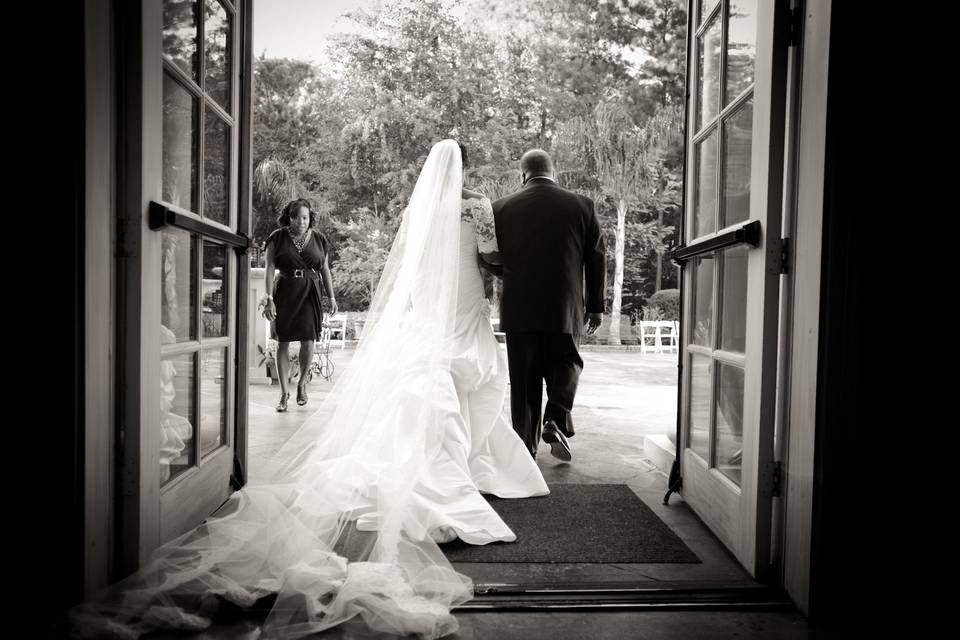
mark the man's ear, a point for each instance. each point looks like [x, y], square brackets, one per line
[523, 178]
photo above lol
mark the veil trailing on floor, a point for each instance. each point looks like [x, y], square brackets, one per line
[330, 525]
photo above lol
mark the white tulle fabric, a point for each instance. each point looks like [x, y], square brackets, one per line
[343, 523]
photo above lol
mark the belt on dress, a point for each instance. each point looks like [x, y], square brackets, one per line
[300, 273]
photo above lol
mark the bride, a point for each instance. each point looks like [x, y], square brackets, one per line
[342, 524]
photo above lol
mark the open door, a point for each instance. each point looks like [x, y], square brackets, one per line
[731, 257]
[182, 266]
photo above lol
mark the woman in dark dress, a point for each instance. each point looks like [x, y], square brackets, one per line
[299, 252]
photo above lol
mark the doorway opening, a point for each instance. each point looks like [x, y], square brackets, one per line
[345, 118]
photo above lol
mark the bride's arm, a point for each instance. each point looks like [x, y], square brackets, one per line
[486, 233]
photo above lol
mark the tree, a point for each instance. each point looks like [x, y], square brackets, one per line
[623, 157]
[500, 77]
[612, 145]
[658, 29]
[296, 124]
[365, 241]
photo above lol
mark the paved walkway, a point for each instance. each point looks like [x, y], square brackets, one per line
[622, 397]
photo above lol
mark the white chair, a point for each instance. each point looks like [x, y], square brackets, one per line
[337, 324]
[658, 336]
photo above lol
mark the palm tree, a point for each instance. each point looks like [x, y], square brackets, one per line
[624, 157]
[274, 185]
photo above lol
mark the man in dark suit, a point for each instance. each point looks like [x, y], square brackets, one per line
[551, 250]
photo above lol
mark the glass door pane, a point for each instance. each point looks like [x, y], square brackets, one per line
[178, 415]
[705, 194]
[701, 391]
[214, 298]
[178, 311]
[218, 44]
[702, 333]
[729, 431]
[709, 73]
[216, 168]
[180, 31]
[733, 296]
[181, 144]
[705, 7]
[741, 47]
[737, 154]
[213, 400]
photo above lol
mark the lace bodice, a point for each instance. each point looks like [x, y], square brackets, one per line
[478, 212]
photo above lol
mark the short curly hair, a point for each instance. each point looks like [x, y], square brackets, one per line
[284, 218]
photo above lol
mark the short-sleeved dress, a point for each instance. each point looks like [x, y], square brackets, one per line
[298, 287]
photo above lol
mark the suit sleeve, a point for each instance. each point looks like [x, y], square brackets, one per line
[495, 269]
[594, 264]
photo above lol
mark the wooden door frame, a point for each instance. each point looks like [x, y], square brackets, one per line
[806, 207]
[98, 294]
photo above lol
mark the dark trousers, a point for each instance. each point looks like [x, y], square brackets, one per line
[535, 358]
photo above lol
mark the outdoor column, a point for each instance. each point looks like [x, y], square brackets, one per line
[260, 326]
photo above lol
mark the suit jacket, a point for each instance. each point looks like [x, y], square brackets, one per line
[554, 262]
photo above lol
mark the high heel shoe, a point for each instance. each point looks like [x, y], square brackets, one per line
[282, 405]
[301, 394]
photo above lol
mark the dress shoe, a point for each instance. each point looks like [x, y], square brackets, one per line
[559, 447]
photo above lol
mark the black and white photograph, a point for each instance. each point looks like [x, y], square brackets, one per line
[465, 319]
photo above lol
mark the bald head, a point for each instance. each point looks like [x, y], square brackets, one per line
[536, 162]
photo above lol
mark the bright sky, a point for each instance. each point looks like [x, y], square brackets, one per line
[299, 28]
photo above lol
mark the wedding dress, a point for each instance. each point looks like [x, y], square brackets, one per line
[342, 524]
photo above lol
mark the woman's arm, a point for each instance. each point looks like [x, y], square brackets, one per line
[328, 285]
[486, 233]
[269, 308]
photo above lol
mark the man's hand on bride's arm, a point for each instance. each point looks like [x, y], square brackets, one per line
[491, 262]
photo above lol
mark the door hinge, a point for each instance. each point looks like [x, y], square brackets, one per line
[796, 26]
[777, 479]
[784, 255]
